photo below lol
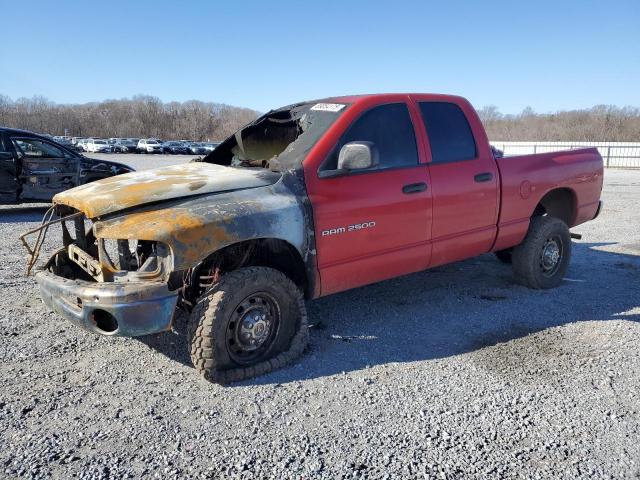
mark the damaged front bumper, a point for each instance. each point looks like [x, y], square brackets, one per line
[110, 308]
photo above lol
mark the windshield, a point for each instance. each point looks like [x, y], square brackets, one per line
[280, 139]
[152, 142]
[100, 142]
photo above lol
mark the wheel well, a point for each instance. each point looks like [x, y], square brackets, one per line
[559, 203]
[262, 252]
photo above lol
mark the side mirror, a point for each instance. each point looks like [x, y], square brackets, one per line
[353, 156]
[357, 156]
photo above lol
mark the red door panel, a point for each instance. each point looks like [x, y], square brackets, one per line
[367, 227]
[464, 210]
[368, 230]
[464, 178]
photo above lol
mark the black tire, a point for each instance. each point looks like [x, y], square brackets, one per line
[217, 322]
[505, 256]
[541, 260]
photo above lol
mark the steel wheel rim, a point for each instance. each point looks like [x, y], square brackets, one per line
[252, 327]
[551, 256]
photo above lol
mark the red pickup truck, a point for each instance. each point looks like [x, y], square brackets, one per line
[307, 200]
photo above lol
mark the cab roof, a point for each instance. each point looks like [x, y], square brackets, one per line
[385, 97]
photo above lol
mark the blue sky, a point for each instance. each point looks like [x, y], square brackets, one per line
[551, 55]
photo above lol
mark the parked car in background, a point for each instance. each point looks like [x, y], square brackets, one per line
[197, 148]
[98, 146]
[34, 168]
[82, 144]
[64, 141]
[124, 145]
[175, 148]
[149, 145]
[210, 146]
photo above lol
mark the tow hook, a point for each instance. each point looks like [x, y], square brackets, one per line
[577, 236]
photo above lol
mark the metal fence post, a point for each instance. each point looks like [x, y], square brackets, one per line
[608, 155]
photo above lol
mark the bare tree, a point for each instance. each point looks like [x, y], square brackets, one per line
[141, 116]
[146, 116]
[602, 123]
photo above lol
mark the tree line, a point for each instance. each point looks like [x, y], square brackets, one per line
[145, 116]
[139, 117]
[602, 123]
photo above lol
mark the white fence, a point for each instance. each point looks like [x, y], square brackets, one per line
[614, 154]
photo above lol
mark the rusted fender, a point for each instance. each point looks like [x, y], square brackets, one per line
[195, 227]
[133, 189]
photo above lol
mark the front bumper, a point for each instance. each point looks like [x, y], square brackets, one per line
[118, 308]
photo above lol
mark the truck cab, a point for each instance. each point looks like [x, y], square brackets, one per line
[432, 195]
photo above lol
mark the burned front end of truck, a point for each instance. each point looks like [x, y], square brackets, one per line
[131, 244]
[137, 246]
[103, 285]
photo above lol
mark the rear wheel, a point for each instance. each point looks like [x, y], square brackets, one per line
[251, 322]
[541, 260]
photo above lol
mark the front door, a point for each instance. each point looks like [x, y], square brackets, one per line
[374, 224]
[46, 169]
[8, 174]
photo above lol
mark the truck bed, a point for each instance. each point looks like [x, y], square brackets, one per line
[526, 179]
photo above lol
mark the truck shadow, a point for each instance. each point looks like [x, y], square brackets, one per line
[447, 311]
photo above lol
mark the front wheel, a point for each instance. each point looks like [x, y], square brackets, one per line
[251, 322]
[541, 260]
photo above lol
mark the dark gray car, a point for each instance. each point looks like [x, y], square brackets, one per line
[35, 168]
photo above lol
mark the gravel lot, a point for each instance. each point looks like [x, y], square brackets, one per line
[447, 373]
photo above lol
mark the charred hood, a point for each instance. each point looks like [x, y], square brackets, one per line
[134, 189]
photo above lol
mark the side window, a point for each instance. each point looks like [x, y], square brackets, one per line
[390, 129]
[449, 132]
[34, 148]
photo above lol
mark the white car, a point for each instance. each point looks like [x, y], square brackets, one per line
[147, 145]
[97, 146]
[81, 144]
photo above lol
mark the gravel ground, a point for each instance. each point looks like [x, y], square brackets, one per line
[453, 372]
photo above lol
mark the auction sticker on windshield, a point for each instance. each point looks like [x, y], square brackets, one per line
[328, 107]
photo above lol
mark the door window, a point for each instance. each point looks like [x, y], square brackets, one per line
[390, 129]
[450, 135]
[34, 148]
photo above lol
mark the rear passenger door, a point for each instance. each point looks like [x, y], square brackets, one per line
[374, 223]
[464, 183]
[46, 169]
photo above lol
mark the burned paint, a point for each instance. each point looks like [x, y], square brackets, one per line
[131, 308]
[188, 214]
[195, 227]
[138, 188]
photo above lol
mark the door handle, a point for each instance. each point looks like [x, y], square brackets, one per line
[414, 188]
[483, 177]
